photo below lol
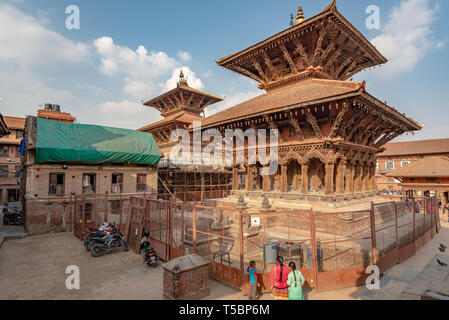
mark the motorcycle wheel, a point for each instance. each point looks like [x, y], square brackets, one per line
[125, 246]
[154, 265]
[97, 251]
[5, 221]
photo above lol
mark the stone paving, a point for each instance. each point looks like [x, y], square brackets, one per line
[409, 280]
[10, 231]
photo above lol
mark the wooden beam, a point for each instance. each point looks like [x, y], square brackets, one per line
[300, 49]
[270, 66]
[192, 95]
[200, 103]
[273, 126]
[351, 67]
[295, 124]
[257, 66]
[388, 138]
[247, 73]
[341, 67]
[314, 123]
[319, 44]
[332, 59]
[177, 100]
[171, 102]
[336, 125]
[351, 121]
[182, 98]
[288, 58]
[326, 53]
[360, 124]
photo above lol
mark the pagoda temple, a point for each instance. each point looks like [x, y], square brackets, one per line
[330, 129]
[180, 107]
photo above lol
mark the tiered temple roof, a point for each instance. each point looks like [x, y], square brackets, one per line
[325, 46]
[180, 107]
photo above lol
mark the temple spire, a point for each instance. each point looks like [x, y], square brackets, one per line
[300, 15]
[182, 80]
[291, 20]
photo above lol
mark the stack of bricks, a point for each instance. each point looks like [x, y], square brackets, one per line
[186, 278]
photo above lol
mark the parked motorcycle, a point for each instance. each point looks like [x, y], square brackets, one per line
[148, 253]
[108, 243]
[12, 214]
[104, 230]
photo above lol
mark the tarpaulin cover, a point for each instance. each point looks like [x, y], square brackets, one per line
[91, 144]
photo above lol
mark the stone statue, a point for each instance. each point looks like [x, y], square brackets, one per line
[266, 206]
[241, 204]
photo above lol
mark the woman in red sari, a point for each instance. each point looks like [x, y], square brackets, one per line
[279, 277]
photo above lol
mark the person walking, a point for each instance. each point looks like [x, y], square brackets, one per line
[278, 277]
[295, 282]
[253, 281]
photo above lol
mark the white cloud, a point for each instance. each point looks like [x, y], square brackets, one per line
[406, 38]
[184, 56]
[192, 80]
[25, 39]
[144, 73]
[137, 64]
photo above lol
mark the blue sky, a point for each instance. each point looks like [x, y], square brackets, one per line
[128, 51]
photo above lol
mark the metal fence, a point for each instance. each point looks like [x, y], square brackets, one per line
[332, 250]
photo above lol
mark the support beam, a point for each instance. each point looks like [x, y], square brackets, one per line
[351, 121]
[189, 102]
[295, 124]
[288, 58]
[304, 178]
[302, 52]
[329, 179]
[387, 139]
[270, 66]
[351, 67]
[336, 125]
[326, 53]
[350, 178]
[262, 74]
[273, 126]
[342, 66]
[248, 73]
[284, 178]
[332, 60]
[318, 47]
[314, 123]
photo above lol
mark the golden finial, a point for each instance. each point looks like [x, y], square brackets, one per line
[300, 15]
[182, 80]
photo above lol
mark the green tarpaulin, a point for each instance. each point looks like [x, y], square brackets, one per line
[91, 144]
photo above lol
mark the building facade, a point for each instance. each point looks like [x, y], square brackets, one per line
[426, 177]
[10, 159]
[400, 154]
[64, 160]
[330, 129]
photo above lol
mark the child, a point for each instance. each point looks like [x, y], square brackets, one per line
[295, 282]
[254, 283]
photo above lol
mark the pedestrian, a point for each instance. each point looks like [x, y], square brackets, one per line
[279, 276]
[253, 281]
[445, 208]
[295, 282]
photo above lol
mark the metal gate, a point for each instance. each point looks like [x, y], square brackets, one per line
[89, 211]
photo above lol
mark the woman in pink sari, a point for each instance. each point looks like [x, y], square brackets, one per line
[279, 277]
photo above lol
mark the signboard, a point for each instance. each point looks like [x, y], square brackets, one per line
[255, 221]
